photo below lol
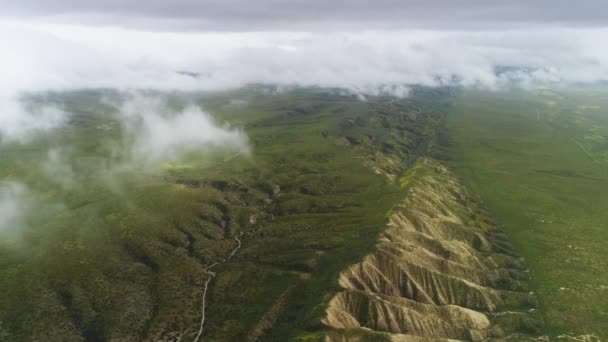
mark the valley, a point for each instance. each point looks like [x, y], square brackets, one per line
[327, 218]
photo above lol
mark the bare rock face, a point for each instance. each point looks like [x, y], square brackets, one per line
[439, 271]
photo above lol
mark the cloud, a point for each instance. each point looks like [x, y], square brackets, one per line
[41, 57]
[13, 206]
[93, 57]
[57, 168]
[311, 15]
[156, 133]
[19, 122]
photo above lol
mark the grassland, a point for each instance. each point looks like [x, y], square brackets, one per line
[320, 151]
[108, 252]
[538, 158]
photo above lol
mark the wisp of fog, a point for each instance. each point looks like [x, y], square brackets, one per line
[63, 57]
[157, 133]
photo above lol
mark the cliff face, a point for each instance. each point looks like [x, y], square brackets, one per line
[440, 270]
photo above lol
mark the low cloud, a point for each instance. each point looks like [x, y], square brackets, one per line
[77, 56]
[13, 206]
[58, 168]
[20, 121]
[43, 57]
[155, 132]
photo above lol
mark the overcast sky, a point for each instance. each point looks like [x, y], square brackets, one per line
[247, 15]
[365, 46]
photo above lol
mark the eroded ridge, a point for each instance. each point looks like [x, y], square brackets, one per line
[441, 270]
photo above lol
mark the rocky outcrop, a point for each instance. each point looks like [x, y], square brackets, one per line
[440, 270]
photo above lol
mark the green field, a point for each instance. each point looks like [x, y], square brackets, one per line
[111, 248]
[539, 160]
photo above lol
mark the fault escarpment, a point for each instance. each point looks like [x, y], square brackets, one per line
[440, 270]
[325, 170]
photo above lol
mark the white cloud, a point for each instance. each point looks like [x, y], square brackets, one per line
[19, 122]
[58, 168]
[13, 206]
[78, 56]
[156, 133]
[40, 57]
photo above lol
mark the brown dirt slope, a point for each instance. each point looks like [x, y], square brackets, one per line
[441, 270]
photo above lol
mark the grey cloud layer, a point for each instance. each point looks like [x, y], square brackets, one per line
[41, 57]
[59, 57]
[245, 15]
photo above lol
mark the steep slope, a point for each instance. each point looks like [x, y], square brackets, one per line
[441, 269]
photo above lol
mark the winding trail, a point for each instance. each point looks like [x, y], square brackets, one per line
[211, 274]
